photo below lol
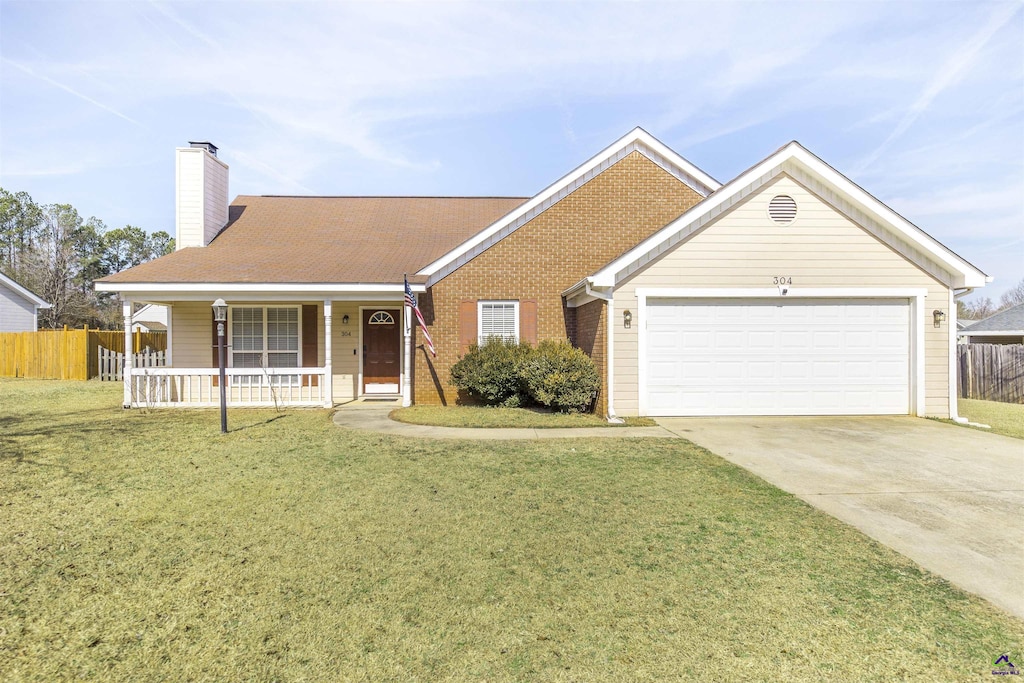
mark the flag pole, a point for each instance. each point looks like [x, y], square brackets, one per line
[407, 321]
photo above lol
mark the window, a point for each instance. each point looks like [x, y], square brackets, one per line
[264, 337]
[498, 319]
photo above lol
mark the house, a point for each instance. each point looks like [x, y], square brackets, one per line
[788, 290]
[1004, 327]
[19, 308]
[150, 318]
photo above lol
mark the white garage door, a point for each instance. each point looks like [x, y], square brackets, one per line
[722, 357]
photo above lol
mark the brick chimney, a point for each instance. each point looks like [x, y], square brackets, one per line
[201, 194]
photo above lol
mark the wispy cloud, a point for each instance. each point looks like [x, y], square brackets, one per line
[69, 89]
[921, 102]
[948, 74]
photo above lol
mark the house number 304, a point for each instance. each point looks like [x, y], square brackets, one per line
[782, 280]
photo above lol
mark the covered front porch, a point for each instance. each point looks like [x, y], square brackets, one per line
[281, 349]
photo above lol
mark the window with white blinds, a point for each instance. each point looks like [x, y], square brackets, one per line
[498, 319]
[266, 337]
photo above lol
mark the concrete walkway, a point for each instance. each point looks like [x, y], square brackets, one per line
[374, 418]
[949, 498]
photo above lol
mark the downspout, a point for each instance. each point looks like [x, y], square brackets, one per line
[609, 300]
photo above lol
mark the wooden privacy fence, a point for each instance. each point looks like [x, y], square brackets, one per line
[991, 372]
[67, 353]
[111, 363]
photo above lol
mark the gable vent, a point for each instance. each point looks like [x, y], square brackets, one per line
[782, 209]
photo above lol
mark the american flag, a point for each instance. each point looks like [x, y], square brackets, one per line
[410, 301]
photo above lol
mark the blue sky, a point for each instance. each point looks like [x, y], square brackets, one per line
[920, 103]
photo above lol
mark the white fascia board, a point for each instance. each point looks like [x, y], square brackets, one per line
[672, 157]
[637, 139]
[970, 275]
[198, 290]
[731, 192]
[575, 289]
[18, 289]
[607, 276]
[990, 333]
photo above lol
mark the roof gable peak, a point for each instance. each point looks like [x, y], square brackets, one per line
[795, 159]
[636, 140]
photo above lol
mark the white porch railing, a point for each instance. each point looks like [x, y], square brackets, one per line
[111, 363]
[246, 387]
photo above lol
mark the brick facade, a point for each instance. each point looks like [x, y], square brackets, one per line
[584, 231]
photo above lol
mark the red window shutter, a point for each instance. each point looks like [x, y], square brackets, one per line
[467, 325]
[528, 321]
[310, 343]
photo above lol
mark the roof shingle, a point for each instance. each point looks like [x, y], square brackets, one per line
[1010, 320]
[275, 239]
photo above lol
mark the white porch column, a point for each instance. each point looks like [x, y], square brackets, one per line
[407, 375]
[328, 371]
[126, 368]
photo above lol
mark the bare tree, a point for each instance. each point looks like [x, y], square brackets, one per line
[1012, 296]
[975, 310]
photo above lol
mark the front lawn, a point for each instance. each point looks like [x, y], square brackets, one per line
[478, 416]
[1003, 418]
[147, 546]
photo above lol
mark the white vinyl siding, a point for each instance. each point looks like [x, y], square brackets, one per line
[17, 314]
[821, 248]
[498, 319]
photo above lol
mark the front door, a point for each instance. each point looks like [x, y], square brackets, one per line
[381, 345]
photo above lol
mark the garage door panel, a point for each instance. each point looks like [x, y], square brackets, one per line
[761, 369]
[767, 358]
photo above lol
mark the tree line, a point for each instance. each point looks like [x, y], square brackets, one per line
[52, 251]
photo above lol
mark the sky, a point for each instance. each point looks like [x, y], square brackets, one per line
[921, 103]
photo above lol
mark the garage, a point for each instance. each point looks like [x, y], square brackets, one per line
[777, 357]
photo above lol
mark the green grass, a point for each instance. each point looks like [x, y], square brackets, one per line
[476, 416]
[147, 546]
[1003, 418]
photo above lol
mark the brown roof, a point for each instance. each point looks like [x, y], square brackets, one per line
[326, 239]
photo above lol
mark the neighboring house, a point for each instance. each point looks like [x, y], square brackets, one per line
[1004, 327]
[150, 318]
[788, 290]
[19, 308]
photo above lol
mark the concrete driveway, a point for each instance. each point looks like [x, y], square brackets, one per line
[948, 497]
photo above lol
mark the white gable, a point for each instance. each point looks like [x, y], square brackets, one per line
[826, 182]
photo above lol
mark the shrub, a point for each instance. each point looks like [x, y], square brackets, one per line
[492, 373]
[561, 377]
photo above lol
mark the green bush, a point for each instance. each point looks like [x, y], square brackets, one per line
[560, 376]
[492, 373]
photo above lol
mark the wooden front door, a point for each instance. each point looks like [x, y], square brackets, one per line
[382, 343]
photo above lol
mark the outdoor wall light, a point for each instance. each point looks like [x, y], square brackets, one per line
[938, 316]
[220, 310]
[627, 319]
[344, 319]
